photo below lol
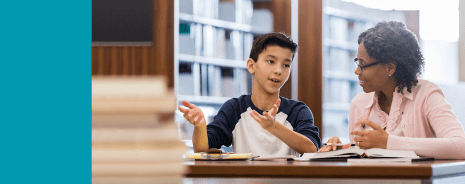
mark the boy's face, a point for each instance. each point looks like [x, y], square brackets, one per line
[272, 69]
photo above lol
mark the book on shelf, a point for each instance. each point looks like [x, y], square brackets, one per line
[220, 43]
[358, 153]
[171, 151]
[198, 30]
[166, 103]
[208, 40]
[248, 41]
[131, 120]
[338, 28]
[227, 11]
[118, 135]
[186, 44]
[138, 168]
[128, 87]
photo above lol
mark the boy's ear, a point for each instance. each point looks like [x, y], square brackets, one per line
[251, 66]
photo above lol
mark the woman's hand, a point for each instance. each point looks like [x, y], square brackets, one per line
[268, 120]
[194, 115]
[376, 138]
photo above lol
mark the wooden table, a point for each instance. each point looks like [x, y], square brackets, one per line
[442, 171]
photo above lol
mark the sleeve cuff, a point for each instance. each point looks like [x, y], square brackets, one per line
[394, 143]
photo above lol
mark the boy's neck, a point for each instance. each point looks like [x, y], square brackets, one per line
[264, 102]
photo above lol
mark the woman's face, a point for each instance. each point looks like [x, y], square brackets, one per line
[373, 78]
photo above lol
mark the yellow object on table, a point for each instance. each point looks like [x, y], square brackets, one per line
[218, 156]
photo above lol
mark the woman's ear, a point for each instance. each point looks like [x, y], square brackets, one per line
[251, 66]
[391, 67]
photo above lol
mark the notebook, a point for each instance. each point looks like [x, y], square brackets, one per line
[344, 154]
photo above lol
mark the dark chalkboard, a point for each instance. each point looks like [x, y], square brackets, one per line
[122, 20]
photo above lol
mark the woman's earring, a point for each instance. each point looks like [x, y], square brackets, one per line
[389, 75]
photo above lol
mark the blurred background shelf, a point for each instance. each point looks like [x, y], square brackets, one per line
[186, 18]
[212, 61]
[203, 99]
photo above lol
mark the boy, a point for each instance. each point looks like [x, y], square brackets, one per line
[244, 122]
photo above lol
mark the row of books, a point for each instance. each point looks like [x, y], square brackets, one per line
[346, 29]
[134, 137]
[219, 9]
[340, 60]
[209, 41]
[214, 81]
[340, 91]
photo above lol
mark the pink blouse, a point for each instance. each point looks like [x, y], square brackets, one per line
[421, 121]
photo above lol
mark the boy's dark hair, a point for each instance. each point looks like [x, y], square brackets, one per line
[393, 42]
[271, 39]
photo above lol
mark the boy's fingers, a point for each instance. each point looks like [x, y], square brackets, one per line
[267, 115]
[257, 115]
[185, 103]
[183, 110]
[278, 102]
[188, 104]
[255, 118]
[196, 119]
[346, 146]
[274, 110]
[334, 143]
[254, 114]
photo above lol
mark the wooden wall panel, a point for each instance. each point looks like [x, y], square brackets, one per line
[157, 59]
[310, 58]
[282, 23]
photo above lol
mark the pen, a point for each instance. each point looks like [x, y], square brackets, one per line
[338, 144]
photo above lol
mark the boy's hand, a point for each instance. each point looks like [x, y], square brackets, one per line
[194, 115]
[268, 119]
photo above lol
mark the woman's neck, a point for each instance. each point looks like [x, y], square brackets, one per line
[385, 98]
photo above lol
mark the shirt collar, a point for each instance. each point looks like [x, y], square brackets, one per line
[407, 94]
[372, 100]
[375, 96]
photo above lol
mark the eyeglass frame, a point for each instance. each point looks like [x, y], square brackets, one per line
[364, 66]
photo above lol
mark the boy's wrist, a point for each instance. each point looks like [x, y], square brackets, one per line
[202, 123]
[274, 127]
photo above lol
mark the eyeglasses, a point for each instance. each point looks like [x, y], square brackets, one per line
[356, 62]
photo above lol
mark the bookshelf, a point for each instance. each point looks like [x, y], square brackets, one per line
[342, 23]
[212, 42]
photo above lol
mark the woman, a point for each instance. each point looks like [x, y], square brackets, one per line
[398, 111]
